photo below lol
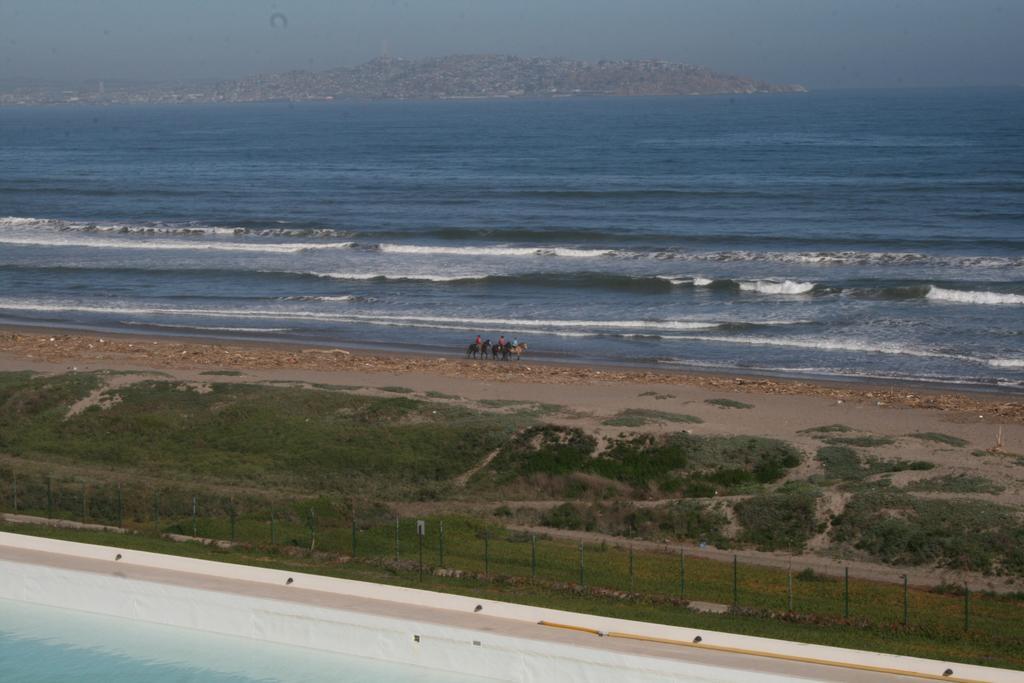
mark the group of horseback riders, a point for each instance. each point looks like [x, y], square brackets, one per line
[502, 349]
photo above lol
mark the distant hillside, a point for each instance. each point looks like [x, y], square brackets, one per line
[451, 77]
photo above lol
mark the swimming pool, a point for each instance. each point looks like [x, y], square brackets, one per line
[72, 611]
[39, 643]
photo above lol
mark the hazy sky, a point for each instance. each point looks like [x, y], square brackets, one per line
[820, 43]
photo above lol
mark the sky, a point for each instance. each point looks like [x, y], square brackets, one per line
[818, 43]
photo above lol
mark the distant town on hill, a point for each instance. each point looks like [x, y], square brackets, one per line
[451, 77]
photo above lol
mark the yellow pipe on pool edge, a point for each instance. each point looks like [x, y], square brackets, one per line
[569, 627]
[760, 653]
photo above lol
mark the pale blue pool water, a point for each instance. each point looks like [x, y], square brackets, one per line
[40, 643]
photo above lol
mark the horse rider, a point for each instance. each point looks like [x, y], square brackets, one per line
[501, 342]
[478, 341]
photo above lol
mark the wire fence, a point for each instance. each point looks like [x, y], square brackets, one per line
[453, 548]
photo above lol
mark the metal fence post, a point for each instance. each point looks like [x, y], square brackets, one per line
[846, 593]
[420, 534]
[14, 488]
[273, 527]
[120, 507]
[487, 553]
[49, 497]
[156, 511]
[533, 556]
[440, 544]
[232, 522]
[85, 510]
[735, 582]
[789, 586]
[630, 569]
[906, 602]
[397, 531]
[582, 576]
[195, 526]
[682, 572]
[312, 528]
[967, 607]
[353, 536]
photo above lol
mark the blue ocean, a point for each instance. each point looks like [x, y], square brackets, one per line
[849, 234]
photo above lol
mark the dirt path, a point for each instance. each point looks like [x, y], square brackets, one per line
[461, 480]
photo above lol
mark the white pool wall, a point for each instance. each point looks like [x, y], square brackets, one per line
[388, 638]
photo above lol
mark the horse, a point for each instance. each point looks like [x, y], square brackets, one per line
[518, 350]
[473, 350]
[496, 351]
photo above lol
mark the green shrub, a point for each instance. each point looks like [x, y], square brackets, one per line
[638, 417]
[957, 483]
[783, 520]
[271, 436]
[544, 449]
[696, 466]
[939, 438]
[895, 527]
[841, 462]
[568, 516]
[441, 394]
[826, 429]
[864, 441]
[689, 520]
[844, 463]
[727, 403]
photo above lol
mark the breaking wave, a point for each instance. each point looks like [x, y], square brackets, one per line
[565, 252]
[966, 297]
[1010, 363]
[171, 245]
[156, 235]
[852, 346]
[776, 287]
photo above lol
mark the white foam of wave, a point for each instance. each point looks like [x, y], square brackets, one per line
[968, 297]
[190, 229]
[776, 287]
[846, 258]
[540, 325]
[853, 346]
[60, 227]
[153, 245]
[1009, 363]
[696, 281]
[340, 298]
[842, 372]
[676, 279]
[206, 328]
[410, 276]
[565, 252]
[554, 324]
[18, 221]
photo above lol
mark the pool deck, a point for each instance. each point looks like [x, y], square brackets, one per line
[589, 633]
